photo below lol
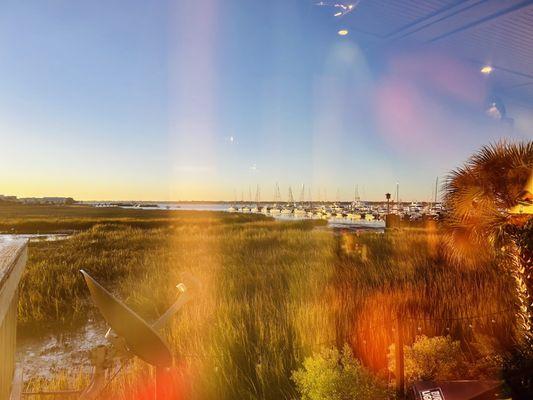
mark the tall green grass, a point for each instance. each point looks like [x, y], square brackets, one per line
[21, 218]
[271, 294]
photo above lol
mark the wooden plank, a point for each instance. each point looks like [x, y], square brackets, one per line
[10, 249]
[18, 383]
[13, 255]
[8, 339]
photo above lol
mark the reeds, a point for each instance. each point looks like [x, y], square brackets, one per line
[272, 293]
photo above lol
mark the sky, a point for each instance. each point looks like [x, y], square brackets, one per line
[208, 99]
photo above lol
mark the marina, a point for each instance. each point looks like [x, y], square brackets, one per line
[355, 215]
[357, 212]
[344, 214]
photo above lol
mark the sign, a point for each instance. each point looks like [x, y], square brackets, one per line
[431, 394]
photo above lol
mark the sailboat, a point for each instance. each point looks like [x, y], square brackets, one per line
[246, 208]
[276, 210]
[300, 211]
[288, 209]
[257, 195]
[233, 207]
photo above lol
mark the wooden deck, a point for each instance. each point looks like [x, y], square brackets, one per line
[13, 255]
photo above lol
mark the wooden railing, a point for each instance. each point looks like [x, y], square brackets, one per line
[13, 255]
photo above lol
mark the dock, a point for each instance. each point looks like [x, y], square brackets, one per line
[13, 256]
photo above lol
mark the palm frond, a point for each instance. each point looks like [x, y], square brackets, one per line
[478, 194]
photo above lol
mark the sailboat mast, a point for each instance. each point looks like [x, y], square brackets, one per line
[302, 195]
[436, 189]
[398, 193]
[277, 194]
[291, 197]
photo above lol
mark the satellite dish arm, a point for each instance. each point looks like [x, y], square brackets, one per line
[100, 358]
[184, 297]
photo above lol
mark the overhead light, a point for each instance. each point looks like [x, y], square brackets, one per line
[343, 32]
[337, 14]
[487, 69]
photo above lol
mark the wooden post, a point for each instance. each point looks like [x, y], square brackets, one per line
[399, 361]
[13, 256]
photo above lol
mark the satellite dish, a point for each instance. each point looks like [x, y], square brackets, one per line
[141, 339]
[131, 336]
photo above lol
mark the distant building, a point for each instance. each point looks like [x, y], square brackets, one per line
[47, 200]
[7, 198]
[58, 200]
[29, 200]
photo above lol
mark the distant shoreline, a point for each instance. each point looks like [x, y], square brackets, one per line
[344, 202]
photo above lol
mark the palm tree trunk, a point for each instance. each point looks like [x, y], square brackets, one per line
[522, 271]
[524, 309]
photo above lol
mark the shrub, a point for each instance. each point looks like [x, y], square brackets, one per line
[334, 375]
[436, 358]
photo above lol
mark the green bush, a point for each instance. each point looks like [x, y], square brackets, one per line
[334, 375]
[436, 358]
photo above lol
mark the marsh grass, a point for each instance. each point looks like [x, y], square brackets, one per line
[404, 283]
[272, 293]
[64, 380]
[20, 218]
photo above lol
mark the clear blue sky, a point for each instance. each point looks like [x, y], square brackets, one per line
[155, 100]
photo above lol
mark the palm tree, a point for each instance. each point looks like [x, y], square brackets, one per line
[489, 215]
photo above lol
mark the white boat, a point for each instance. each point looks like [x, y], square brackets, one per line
[274, 211]
[414, 208]
[300, 212]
